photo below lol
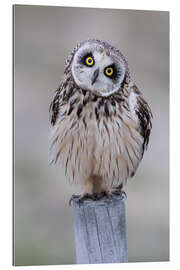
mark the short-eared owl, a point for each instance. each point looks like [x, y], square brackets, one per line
[100, 121]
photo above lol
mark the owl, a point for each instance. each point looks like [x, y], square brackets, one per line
[100, 122]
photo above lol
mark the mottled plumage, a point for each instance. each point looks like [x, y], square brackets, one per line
[98, 134]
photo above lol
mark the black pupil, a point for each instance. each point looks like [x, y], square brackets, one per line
[89, 60]
[109, 70]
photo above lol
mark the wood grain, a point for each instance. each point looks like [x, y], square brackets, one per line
[100, 230]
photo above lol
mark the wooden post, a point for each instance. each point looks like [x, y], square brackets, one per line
[100, 230]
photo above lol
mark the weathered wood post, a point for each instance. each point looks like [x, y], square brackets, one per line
[100, 230]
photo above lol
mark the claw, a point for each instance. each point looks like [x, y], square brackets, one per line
[119, 192]
[83, 197]
[107, 194]
[74, 196]
[97, 196]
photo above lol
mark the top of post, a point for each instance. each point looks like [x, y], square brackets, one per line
[104, 201]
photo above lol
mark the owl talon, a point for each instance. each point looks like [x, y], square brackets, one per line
[98, 196]
[109, 195]
[87, 196]
[105, 194]
[119, 192]
[74, 196]
[81, 198]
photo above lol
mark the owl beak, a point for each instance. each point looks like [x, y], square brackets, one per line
[94, 76]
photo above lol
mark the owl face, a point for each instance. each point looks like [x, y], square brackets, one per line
[99, 68]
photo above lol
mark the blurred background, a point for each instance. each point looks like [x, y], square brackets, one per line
[43, 219]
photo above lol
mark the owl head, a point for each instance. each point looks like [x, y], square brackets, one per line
[98, 67]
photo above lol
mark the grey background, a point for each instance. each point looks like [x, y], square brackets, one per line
[43, 219]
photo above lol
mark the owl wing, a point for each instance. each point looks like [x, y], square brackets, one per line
[143, 114]
[54, 106]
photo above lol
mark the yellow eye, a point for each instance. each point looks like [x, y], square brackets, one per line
[109, 71]
[89, 61]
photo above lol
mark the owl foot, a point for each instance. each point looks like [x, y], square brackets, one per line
[88, 196]
[107, 194]
[96, 196]
[83, 197]
[74, 196]
[119, 191]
